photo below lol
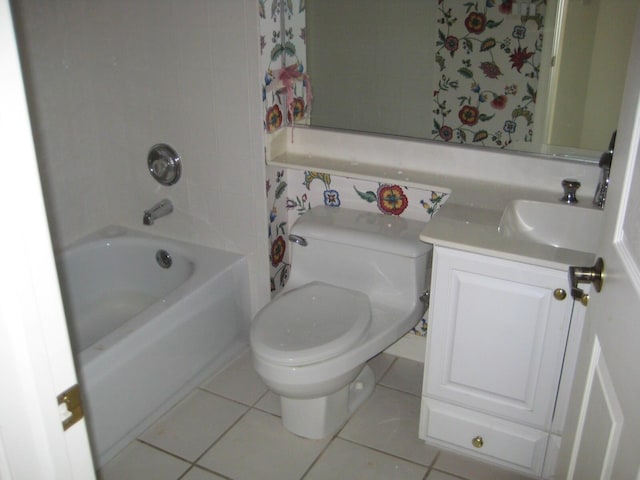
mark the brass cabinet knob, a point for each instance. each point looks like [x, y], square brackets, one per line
[477, 442]
[559, 294]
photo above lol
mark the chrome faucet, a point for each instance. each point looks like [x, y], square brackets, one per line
[160, 209]
[570, 187]
[600, 196]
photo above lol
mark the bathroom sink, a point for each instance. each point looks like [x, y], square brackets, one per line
[556, 224]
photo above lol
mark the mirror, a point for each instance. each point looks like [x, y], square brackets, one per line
[541, 76]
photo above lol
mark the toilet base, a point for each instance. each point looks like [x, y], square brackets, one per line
[321, 417]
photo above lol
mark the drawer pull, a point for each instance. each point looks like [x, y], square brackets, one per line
[559, 294]
[477, 442]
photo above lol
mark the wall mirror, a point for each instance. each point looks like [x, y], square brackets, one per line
[541, 76]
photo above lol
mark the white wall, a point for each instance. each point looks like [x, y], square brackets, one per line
[612, 44]
[107, 80]
[593, 65]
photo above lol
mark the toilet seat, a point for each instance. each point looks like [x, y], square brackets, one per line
[310, 324]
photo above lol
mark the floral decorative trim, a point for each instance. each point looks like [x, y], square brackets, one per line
[421, 328]
[331, 198]
[300, 204]
[432, 205]
[389, 198]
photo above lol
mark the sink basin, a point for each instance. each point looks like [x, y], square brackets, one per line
[555, 224]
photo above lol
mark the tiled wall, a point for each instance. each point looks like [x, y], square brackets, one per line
[107, 80]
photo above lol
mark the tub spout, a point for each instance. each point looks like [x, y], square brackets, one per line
[160, 209]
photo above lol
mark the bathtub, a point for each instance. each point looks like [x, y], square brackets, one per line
[143, 334]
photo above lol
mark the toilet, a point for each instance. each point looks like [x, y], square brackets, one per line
[355, 287]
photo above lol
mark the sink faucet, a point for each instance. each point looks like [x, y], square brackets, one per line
[600, 196]
[160, 209]
[570, 187]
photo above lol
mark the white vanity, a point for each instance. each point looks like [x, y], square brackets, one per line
[502, 341]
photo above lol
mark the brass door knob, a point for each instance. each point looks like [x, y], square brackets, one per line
[477, 442]
[594, 275]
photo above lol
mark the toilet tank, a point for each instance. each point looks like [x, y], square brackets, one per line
[379, 255]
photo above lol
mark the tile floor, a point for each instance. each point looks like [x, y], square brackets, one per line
[229, 428]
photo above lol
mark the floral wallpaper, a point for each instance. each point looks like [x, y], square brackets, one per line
[286, 89]
[487, 68]
[279, 258]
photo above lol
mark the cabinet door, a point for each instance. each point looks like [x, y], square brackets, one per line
[496, 336]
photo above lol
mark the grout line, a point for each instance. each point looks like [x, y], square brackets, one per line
[162, 450]
[386, 370]
[395, 389]
[234, 400]
[194, 463]
[398, 390]
[215, 442]
[306, 472]
[213, 472]
[452, 475]
[435, 459]
[193, 467]
[260, 398]
[413, 462]
[430, 468]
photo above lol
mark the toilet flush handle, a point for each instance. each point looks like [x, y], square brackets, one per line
[298, 239]
[424, 298]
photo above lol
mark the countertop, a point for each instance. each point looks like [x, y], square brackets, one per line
[475, 230]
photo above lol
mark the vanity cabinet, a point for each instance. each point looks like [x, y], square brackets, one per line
[500, 333]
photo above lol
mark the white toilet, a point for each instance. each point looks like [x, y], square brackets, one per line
[355, 288]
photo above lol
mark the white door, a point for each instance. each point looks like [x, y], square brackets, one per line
[602, 436]
[35, 356]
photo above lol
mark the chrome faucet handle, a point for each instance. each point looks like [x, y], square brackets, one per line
[570, 187]
[600, 196]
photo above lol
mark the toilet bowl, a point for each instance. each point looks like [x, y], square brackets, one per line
[354, 289]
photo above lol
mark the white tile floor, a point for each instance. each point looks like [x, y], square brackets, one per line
[229, 428]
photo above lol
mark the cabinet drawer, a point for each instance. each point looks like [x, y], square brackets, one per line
[497, 441]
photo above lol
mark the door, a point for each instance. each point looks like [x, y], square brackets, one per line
[602, 435]
[35, 356]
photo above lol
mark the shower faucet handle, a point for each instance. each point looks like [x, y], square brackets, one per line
[570, 187]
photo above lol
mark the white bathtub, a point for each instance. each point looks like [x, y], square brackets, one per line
[144, 335]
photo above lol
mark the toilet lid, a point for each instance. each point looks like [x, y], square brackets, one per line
[310, 324]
